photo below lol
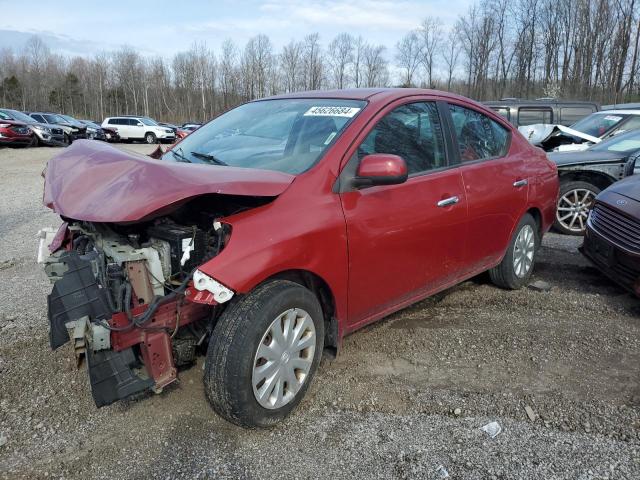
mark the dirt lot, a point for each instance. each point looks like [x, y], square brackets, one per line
[405, 396]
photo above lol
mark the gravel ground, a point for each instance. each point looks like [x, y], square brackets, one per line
[405, 397]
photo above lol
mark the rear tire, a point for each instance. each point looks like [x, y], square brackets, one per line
[150, 138]
[251, 388]
[574, 202]
[516, 268]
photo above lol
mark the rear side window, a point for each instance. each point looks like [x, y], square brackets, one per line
[570, 115]
[114, 121]
[413, 132]
[531, 116]
[479, 137]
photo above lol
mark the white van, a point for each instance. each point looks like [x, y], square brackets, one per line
[139, 128]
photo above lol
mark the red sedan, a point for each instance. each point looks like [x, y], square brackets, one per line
[15, 134]
[270, 233]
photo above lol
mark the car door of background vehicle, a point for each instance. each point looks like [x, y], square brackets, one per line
[137, 128]
[496, 183]
[402, 245]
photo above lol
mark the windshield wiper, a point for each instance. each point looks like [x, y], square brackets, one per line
[210, 158]
[180, 155]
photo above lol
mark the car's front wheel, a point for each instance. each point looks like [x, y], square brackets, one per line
[263, 354]
[516, 268]
[574, 202]
[150, 138]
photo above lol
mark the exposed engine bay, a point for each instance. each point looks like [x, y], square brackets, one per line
[129, 295]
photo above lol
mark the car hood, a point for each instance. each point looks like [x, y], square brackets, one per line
[96, 182]
[562, 159]
[628, 187]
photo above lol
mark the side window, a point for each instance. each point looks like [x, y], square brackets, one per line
[133, 122]
[632, 124]
[413, 132]
[38, 118]
[478, 136]
[113, 121]
[531, 116]
[570, 115]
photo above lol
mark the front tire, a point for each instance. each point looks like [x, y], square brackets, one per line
[516, 268]
[150, 138]
[574, 202]
[263, 354]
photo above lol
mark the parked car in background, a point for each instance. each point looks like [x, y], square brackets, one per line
[583, 174]
[72, 129]
[103, 133]
[520, 112]
[622, 106]
[612, 237]
[190, 127]
[139, 128]
[584, 133]
[279, 227]
[179, 131]
[44, 134]
[15, 134]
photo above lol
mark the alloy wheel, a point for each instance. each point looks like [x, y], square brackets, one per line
[573, 209]
[523, 251]
[283, 358]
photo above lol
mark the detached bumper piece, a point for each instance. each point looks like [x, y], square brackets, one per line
[112, 376]
[76, 295]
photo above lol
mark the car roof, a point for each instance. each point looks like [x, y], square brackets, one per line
[618, 112]
[367, 94]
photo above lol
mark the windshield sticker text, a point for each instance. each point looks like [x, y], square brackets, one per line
[329, 111]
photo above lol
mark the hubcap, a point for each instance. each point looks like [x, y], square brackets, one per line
[283, 359]
[524, 249]
[573, 209]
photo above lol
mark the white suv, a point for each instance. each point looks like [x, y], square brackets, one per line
[139, 128]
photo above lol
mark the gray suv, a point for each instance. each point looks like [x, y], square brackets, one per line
[44, 134]
[547, 111]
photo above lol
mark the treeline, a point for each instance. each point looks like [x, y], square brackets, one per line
[586, 49]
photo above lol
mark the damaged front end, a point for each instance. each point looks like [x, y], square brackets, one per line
[125, 296]
[124, 264]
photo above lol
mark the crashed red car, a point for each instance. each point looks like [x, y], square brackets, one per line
[268, 234]
[15, 134]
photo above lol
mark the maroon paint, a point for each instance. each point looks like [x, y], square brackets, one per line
[96, 182]
[378, 249]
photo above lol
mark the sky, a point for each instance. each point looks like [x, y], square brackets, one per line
[166, 27]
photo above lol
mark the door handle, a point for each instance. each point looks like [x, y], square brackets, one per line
[448, 201]
[520, 183]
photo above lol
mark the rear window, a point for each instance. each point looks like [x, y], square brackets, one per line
[532, 116]
[570, 115]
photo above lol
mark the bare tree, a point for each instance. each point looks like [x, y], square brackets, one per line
[450, 54]
[376, 72]
[408, 56]
[430, 34]
[340, 58]
[313, 62]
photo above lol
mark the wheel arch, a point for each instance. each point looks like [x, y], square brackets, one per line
[599, 179]
[537, 216]
[321, 289]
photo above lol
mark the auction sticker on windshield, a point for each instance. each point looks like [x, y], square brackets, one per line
[328, 111]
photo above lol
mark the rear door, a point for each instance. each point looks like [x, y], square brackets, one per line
[405, 240]
[496, 183]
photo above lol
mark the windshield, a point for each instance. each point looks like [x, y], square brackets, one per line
[16, 115]
[597, 124]
[148, 121]
[626, 142]
[54, 119]
[287, 135]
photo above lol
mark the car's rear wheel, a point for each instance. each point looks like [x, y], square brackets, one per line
[574, 202]
[150, 138]
[516, 268]
[263, 354]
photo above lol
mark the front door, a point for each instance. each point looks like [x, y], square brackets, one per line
[405, 240]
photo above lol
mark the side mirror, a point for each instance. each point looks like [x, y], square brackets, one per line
[139, 124]
[380, 169]
[632, 167]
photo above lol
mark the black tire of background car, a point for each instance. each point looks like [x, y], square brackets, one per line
[233, 345]
[150, 138]
[35, 141]
[567, 187]
[67, 139]
[504, 275]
